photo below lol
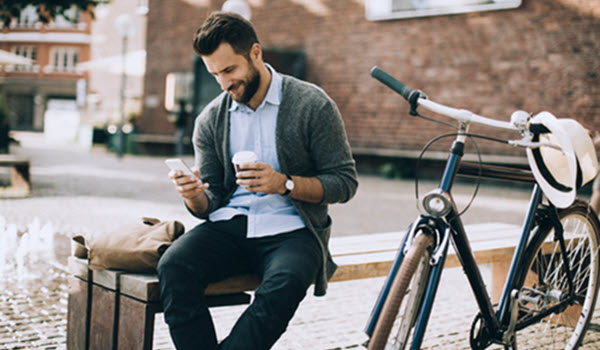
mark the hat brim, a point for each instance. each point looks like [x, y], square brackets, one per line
[561, 194]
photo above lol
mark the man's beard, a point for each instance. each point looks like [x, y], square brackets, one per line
[251, 85]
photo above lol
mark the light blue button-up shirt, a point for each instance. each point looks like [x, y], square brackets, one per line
[268, 214]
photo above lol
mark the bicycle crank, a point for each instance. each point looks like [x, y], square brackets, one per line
[479, 336]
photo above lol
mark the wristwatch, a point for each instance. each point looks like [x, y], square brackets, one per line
[289, 185]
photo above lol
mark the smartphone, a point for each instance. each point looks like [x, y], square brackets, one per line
[178, 164]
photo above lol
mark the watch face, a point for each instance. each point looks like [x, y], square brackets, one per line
[289, 185]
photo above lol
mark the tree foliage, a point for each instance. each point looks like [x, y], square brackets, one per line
[47, 9]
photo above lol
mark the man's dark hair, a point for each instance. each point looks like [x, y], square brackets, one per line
[226, 27]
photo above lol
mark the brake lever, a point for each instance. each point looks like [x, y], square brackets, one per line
[526, 142]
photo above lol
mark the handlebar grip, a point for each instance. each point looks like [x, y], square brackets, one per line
[391, 82]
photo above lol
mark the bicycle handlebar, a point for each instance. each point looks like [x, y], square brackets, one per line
[391, 82]
[461, 115]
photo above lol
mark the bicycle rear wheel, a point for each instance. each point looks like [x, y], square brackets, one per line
[546, 282]
[400, 310]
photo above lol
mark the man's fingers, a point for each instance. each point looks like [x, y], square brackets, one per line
[183, 180]
[256, 166]
[191, 190]
[197, 189]
[189, 186]
[254, 184]
[173, 174]
[248, 174]
[196, 171]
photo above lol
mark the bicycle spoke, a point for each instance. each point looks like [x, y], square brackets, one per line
[565, 328]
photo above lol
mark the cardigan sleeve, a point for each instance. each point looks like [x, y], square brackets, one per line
[332, 155]
[207, 160]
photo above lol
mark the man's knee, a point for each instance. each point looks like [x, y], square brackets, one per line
[168, 266]
[286, 284]
[176, 276]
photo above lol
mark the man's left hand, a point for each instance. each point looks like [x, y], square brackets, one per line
[260, 177]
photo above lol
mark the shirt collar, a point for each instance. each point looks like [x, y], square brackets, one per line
[274, 92]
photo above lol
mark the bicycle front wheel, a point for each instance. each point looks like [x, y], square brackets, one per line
[400, 310]
[546, 283]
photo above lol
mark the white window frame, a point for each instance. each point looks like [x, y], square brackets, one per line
[64, 59]
[381, 10]
[28, 18]
[27, 52]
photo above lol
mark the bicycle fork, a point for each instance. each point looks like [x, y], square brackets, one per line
[438, 259]
[442, 236]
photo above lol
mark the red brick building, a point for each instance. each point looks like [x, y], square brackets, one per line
[54, 49]
[540, 56]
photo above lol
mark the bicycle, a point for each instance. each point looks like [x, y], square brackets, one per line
[552, 283]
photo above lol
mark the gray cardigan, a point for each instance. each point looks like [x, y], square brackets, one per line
[311, 141]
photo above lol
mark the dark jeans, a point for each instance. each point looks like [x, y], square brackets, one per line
[213, 251]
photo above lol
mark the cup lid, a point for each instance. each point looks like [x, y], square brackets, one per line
[244, 157]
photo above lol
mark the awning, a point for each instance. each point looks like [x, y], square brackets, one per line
[135, 64]
[10, 58]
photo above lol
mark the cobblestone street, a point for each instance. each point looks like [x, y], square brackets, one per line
[91, 192]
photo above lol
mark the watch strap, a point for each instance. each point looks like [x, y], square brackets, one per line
[287, 191]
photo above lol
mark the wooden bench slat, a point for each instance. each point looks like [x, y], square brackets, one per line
[107, 278]
[20, 182]
[351, 245]
[234, 285]
[140, 286]
[10, 159]
[362, 256]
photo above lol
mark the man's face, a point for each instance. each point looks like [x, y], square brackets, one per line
[235, 73]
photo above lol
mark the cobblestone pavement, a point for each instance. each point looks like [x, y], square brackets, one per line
[90, 192]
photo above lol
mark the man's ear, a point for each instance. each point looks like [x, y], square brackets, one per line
[256, 51]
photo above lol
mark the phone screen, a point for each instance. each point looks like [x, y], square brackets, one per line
[178, 164]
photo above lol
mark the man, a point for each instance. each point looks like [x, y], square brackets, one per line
[271, 217]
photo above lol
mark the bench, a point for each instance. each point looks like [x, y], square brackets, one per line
[109, 309]
[155, 144]
[20, 181]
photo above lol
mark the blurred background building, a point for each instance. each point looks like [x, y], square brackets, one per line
[117, 53]
[71, 84]
[49, 80]
[489, 56]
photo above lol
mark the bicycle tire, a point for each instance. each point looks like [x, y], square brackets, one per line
[417, 256]
[546, 281]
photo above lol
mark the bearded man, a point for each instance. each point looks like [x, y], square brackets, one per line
[270, 217]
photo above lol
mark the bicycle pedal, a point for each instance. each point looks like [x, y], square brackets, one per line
[531, 299]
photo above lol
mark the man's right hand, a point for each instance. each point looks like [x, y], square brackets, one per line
[189, 187]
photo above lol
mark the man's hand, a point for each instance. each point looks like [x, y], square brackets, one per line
[189, 187]
[260, 177]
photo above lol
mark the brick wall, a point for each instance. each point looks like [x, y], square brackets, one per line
[541, 56]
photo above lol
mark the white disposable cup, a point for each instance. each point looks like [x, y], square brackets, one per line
[243, 157]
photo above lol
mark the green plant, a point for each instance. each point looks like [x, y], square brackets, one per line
[47, 9]
[390, 170]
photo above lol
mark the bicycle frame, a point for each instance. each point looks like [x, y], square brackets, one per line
[498, 323]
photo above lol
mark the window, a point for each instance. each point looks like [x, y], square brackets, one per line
[178, 86]
[64, 59]
[70, 19]
[378, 10]
[27, 52]
[28, 17]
